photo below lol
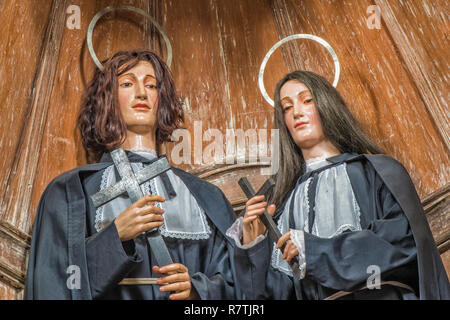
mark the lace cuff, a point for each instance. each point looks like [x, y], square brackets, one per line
[235, 233]
[298, 238]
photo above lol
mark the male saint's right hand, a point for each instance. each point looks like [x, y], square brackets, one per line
[141, 216]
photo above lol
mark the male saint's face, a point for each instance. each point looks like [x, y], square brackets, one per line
[138, 98]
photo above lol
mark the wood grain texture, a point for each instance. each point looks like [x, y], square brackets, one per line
[23, 30]
[437, 209]
[7, 292]
[199, 66]
[421, 32]
[446, 260]
[18, 193]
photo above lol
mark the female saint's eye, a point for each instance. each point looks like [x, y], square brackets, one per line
[286, 108]
[151, 86]
[125, 84]
[308, 100]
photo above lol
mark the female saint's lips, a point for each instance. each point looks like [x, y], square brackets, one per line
[300, 124]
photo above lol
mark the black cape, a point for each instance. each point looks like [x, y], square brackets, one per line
[396, 236]
[60, 232]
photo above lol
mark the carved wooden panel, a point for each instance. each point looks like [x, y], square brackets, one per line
[393, 78]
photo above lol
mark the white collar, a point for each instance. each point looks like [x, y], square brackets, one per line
[145, 152]
[315, 163]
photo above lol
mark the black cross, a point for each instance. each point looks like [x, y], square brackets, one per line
[266, 218]
[129, 183]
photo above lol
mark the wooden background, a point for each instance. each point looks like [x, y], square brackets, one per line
[394, 79]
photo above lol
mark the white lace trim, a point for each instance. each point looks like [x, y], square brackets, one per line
[298, 238]
[278, 263]
[235, 233]
[357, 210]
[186, 235]
[306, 224]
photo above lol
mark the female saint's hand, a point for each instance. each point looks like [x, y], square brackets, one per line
[290, 250]
[252, 225]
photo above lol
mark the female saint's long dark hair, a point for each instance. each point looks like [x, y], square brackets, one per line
[338, 124]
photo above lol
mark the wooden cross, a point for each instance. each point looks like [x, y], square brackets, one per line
[266, 218]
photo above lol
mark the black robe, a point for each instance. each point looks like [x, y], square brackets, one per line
[63, 236]
[395, 236]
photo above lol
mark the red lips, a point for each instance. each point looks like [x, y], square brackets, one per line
[299, 124]
[141, 106]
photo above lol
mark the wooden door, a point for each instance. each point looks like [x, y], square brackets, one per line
[393, 77]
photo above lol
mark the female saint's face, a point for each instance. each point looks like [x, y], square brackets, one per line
[138, 98]
[300, 115]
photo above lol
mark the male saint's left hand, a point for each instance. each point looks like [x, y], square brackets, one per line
[176, 278]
